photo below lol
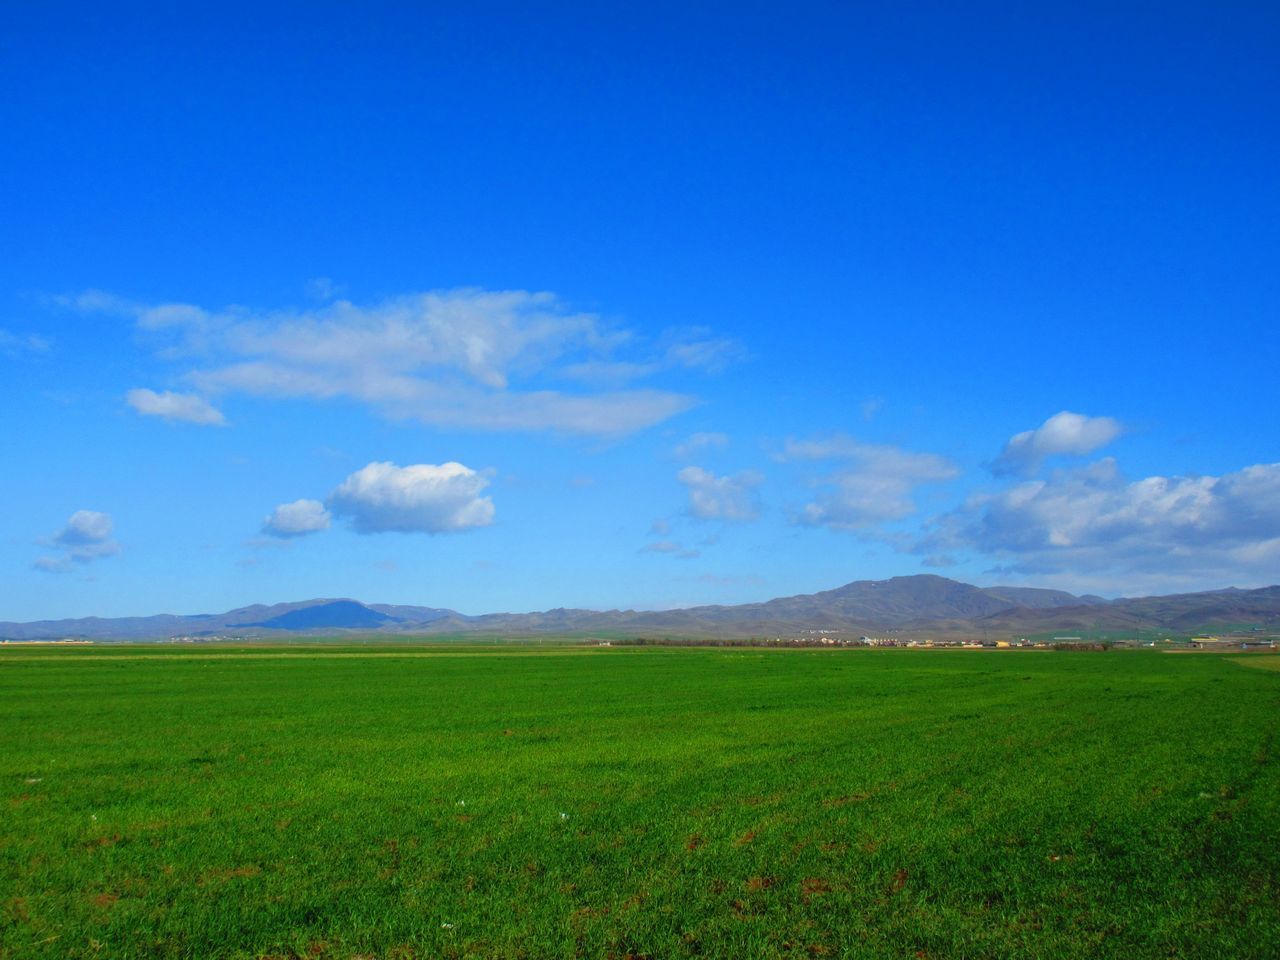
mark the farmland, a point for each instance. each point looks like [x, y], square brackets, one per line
[563, 801]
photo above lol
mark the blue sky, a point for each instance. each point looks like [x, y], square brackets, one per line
[509, 307]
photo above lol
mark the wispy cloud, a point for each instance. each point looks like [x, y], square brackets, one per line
[699, 443]
[874, 484]
[490, 360]
[671, 548]
[323, 289]
[695, 349]
[85, 537]
[175, 407]
[1065, 433]
[15, 343]
[698, 348]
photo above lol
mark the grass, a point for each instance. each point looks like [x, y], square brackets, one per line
[636, 802]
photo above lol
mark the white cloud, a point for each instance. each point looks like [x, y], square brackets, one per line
[721, 498]
[85, 537]
[876, 485]
[699, 443]
[1068, 433]
[296, 519]
[1091, 522]
[176, 315]
[456, 358]
[85, 528]
[175, 407]
[422, 498]
[443, 405]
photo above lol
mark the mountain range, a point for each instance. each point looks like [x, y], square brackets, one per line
[923, 605]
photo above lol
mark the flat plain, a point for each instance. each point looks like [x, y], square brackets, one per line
[396, 802]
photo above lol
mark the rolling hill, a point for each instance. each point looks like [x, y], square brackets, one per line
[923, 604]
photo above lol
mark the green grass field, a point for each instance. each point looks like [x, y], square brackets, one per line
[657, 803]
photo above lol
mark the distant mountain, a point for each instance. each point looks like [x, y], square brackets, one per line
[259, 620]
[342, 614]
[1036, 598]
[923, 604]
[411, 614]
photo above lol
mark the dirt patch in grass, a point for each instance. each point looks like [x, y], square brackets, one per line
[214, 876]
[18, 910]
[812, 887]
[899, 880]
[847, 799]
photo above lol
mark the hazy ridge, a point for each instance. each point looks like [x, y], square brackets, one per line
[921, 604]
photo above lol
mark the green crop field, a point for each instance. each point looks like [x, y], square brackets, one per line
[663, 803]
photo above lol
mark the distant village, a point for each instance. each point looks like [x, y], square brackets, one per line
[831, 639]
[208, 638]
[834, 638]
